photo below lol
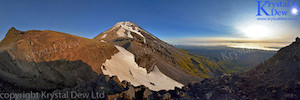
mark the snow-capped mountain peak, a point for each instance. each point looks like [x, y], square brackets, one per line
[126, 29]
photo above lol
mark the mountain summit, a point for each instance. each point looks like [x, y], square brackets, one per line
[12, 35]
[127, 30]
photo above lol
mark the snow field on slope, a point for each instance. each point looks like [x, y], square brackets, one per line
[123, 65]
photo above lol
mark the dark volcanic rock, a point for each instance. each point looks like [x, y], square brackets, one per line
[297, 40]
[102, 84]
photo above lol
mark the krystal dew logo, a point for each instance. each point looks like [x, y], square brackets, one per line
[280, 10]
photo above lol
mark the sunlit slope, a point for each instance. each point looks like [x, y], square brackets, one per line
[50, 60]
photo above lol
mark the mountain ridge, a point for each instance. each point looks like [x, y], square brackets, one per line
[39, 56]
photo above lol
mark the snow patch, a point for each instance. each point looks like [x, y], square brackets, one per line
[123, 65]
[102, 41]
[132, 28]
[104, 36]
[121, 32]
[129, 34]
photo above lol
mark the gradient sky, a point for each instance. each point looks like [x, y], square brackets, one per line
[169, 20]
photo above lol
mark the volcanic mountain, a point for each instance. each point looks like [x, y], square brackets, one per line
[51, 60]
[152, 53]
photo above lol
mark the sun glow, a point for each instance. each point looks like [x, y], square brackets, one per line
[294, 11]
[256, 32]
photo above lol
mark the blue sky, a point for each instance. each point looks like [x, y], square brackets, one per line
[166, 19]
